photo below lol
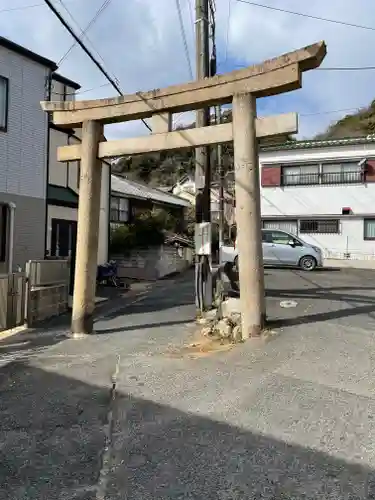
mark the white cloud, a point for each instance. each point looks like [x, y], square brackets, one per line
[141, 44]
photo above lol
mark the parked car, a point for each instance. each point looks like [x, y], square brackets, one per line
[280, 249]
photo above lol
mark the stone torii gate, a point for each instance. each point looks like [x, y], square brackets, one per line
[241, 88]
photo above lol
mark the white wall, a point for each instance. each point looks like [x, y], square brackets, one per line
[58, 172]
[349, 240]
[23, 147]
[315, 200]
[322, 199]
[62, 174]
[293, 201]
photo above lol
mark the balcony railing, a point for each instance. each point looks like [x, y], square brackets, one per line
[308, 179]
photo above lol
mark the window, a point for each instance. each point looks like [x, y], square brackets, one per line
[288, 225]
[4, 101]
[300, 175]
[341, 173]
[323, 226]
[275, 237]
[323, 173]
[119, 209]
[369, 229]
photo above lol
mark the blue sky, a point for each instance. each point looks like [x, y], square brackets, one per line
[141, 45]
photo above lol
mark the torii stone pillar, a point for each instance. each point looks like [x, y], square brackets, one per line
[242, 88]
[87, 234]
[248, 216]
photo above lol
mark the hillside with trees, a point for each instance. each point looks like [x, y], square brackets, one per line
[358, 124]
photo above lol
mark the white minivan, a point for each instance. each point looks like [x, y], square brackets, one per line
[281, 249]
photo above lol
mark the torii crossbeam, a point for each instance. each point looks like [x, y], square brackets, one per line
[241, 88]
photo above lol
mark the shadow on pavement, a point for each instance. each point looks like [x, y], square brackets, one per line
[143, 326]
[357, 304]
[52, 435]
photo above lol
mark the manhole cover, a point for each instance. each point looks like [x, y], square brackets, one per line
[288, 303]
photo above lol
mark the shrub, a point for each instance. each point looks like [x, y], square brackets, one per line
[145, 232]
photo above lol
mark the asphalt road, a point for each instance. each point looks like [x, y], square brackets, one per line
[290, 419]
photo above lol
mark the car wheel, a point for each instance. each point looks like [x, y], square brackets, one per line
[308, 263]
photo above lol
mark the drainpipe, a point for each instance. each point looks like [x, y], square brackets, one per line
[12, 212]
[109, 210]
[48, 96]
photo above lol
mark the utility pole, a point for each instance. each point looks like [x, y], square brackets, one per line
[220, 167]
[203, 168]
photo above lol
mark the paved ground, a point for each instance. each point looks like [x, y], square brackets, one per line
[291, 419]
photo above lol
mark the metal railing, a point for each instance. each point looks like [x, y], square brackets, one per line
[308, 179]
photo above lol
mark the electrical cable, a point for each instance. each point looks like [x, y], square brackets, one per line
[25, 7]
[87, 38]
[228, 29]
[310, 16]
[81, 91]
[191, 19]
[87, 51]
[327, 68]
[183, 34]
[101, 9]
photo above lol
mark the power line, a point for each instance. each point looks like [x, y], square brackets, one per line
[183, 34]
[80, 91]
[87, 38]
[329, 112]
[86, 50]
[228, 28]
[302, 115]
[348, 68]
[82, 45]
[302, 14]
[337, 68]
[25, 7]
[191, 17]
[93, 20]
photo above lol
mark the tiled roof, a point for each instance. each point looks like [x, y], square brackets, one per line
[137, 190]
[325, 143]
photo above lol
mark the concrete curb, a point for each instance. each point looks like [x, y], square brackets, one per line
[349, 264]
[13, 331]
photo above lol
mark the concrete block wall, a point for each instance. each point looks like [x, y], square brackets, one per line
[46, 302]
[153, 263]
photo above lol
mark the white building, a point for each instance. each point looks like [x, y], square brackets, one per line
[185, 188]
[38, 195]
[324, 191]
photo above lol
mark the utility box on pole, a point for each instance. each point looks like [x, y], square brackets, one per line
[203, 292]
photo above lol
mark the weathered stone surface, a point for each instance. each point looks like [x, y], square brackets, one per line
[224, 328]
[206, 331]
[237, 333]
[235, 318]
[210, 315]
[231, 306]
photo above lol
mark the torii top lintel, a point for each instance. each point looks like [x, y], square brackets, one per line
[274, 76]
